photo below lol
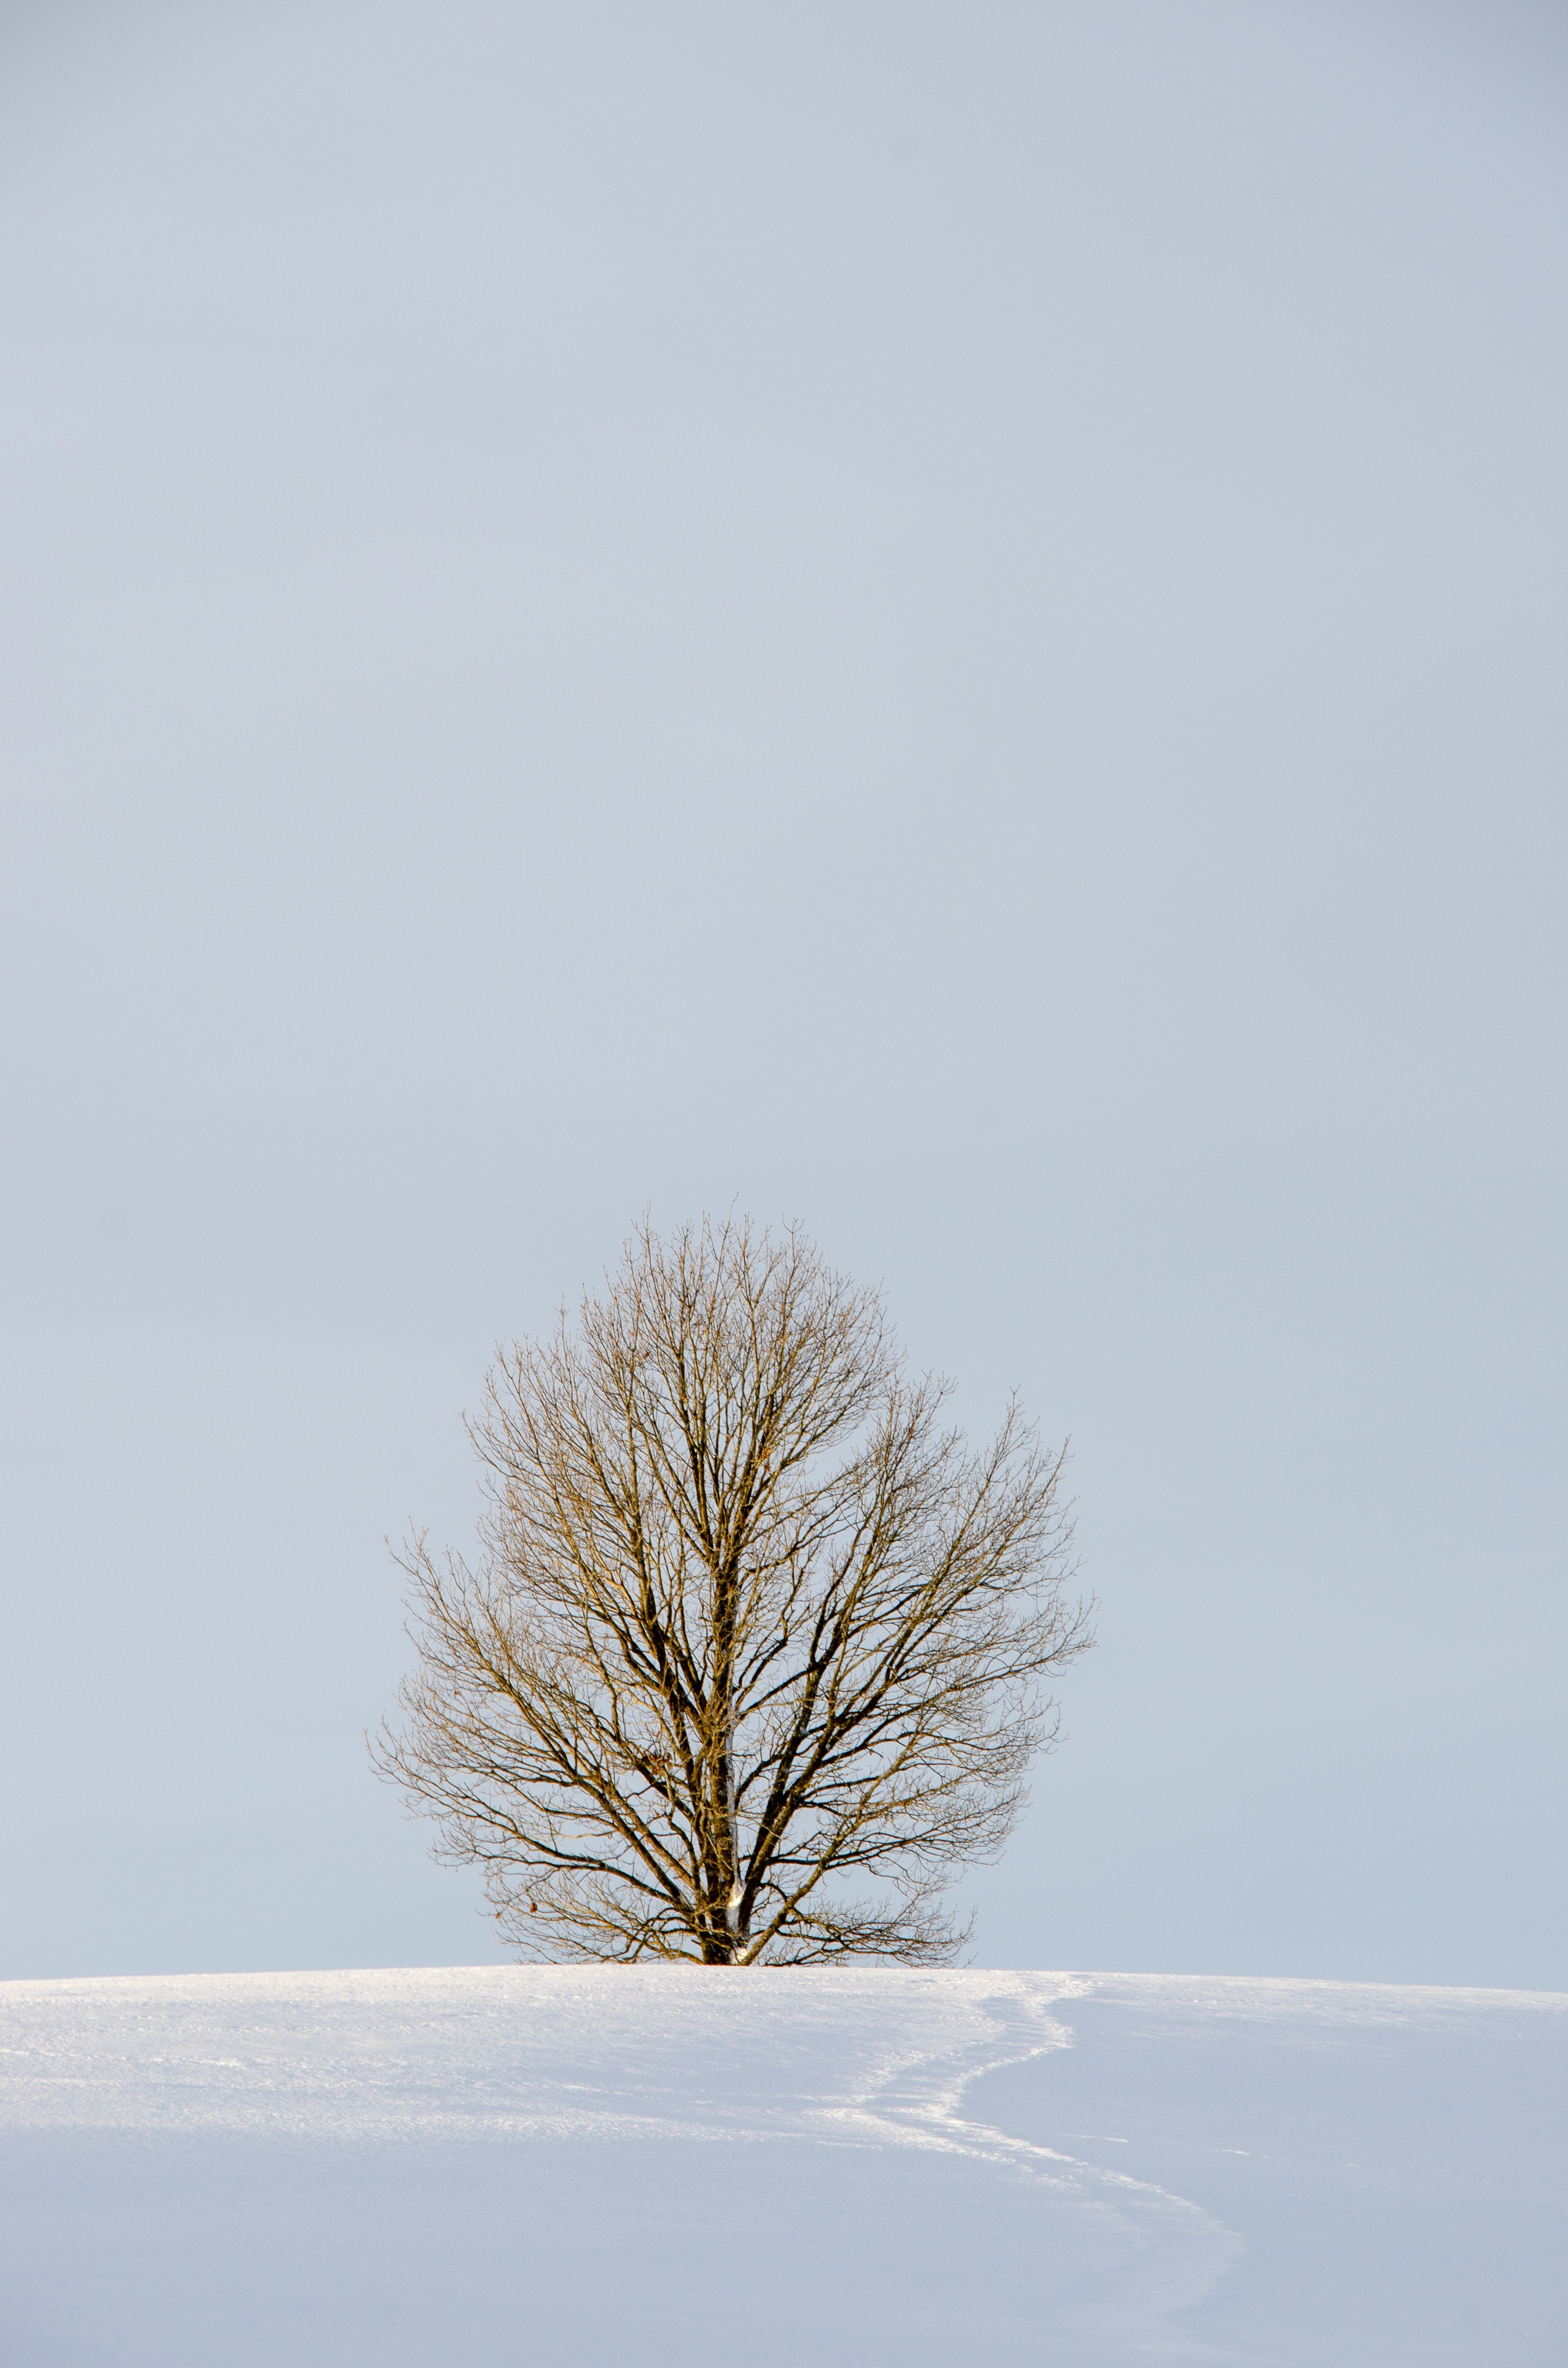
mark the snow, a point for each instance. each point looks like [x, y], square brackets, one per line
[871, 2166]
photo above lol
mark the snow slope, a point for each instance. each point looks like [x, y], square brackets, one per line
[527, 2166]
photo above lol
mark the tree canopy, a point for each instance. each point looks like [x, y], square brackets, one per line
[752, 1659]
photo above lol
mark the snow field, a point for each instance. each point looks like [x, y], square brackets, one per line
[533, 2166]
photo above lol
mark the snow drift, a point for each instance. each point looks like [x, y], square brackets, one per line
[661, 2165]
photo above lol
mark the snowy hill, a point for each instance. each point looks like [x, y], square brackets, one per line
[667, 2164]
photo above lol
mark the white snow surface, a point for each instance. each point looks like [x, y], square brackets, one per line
[524, 2165]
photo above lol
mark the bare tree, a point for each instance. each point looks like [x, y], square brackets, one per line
[750, 1663]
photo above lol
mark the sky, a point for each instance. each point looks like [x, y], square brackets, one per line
[943, 622]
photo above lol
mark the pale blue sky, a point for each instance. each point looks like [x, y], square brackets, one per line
[948, 621]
